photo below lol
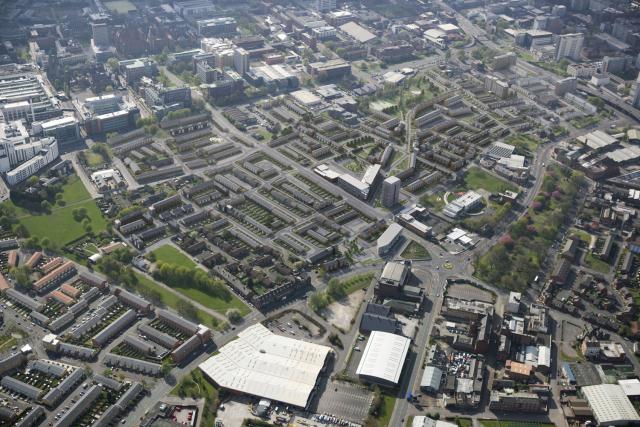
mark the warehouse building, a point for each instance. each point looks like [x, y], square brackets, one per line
[270, 366]
[431, 379]
[610, 405]
[383, 359]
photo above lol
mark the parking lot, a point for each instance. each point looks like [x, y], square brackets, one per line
[345, 401]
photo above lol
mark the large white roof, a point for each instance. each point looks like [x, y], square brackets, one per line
[609, 404]
[384, 356]
[267, 365]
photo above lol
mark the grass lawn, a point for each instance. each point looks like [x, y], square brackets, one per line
[59, 225]
[358, 282]
[476, 178]
[596, 263]
[501, 423]
[93, 159]
[171, 255]
[389, 402]
[214, 303]
[195, 385]
[580, 234]
[434, 201]
[586, 121]
[527, 143]
[415, 250]
[171, 300]
[6, 342]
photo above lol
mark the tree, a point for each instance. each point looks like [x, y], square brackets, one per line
[21, 275]
[113, 64]
[187, 310]
[234, 316]
[166, 368]
[21, 231]
[32, 180]
[46, 206]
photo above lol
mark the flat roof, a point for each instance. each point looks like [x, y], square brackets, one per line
[393, 271]
[630, 387]
[358, 32]
[610, 404]
[384, 356]
[389, 234]
[306, 97]
[267, 365]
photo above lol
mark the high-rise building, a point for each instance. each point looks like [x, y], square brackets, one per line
[636, 93]
[325, 5]
[569, 46]
[101, 34]
[390, 191]
[241, 61]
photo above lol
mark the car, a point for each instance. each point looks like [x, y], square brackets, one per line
[356, 348]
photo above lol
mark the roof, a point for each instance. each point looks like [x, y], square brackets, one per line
[630, 387]
[384, 356]
[306, 97]
[357, 32]
[597, 139]
[422, 421]
[393, 271]
[610, 404]
[267, 365]
[389, 235]
[431, 377]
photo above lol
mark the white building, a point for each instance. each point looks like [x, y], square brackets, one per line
[46, 155]
[569, 46]
[610, 405]
[513, 305]
[390, 191]
[463, 204]
[388, 238]
[324, 32]
[241, 60]
[383, 358]
[263, 364]
[422, 421]
[325, 5]
[64, 129]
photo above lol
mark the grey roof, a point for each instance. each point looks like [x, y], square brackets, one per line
[32, 417]
[138, 344]
[77, 351]
[177, 321]
[108, 302]
[132, 364]
[108, 416]
[79, 407]
[116, 326]
[92, 279]
[81, 304]
[12, 361]
[132, 300]
[107, 382]
[90, 294]
[129, 395]
[378, 309]
[23, 299]
[157, 336]
[47, 367]
[20, 387]
[431, 378]
[41, 318]
[62, 321]
[373, 322]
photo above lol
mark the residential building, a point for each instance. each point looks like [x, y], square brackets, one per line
[389, 238]
[390, 191]
[569, 46]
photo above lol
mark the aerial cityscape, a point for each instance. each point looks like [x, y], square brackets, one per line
[310, 213]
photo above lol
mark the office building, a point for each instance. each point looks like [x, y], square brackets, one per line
[162, 100]
[101, 34]
[241, 61]
[325, 5]
[463, 204]
[522, 402]
[354, 186]
[216, 27]
[134, 69]
[388, 239]
[635, 100]
[64, 129]
[26, 97]
[108, 113]
[569, 46]
[328, 70]
[193, 9]
[390, 191]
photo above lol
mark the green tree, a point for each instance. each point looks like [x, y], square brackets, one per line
[234, 316]
[187, 310]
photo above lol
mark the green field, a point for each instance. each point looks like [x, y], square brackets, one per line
[526, 143]
[415, 250]
[476, 178]
[596, 263]
[120, 6]
[434, 201]
[6, 342]
[171, 300]
[59, 225]
[94, 159]
[196, 386]
[214, 303]
[171, 255]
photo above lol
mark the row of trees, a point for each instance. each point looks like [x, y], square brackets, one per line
[178, 276]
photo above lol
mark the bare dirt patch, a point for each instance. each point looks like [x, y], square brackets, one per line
[340, 313]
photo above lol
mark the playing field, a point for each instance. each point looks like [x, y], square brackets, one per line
[171, 255]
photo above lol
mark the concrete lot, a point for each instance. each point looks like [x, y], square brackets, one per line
[345, 401]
